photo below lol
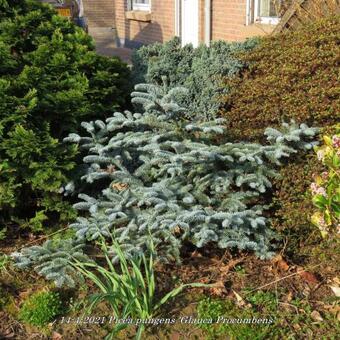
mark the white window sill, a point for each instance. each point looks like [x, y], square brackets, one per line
[144, 16]
[267, 20]
[141, 7]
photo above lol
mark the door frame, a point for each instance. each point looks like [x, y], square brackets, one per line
[178, 19]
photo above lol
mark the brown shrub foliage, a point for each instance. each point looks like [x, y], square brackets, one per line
[290, 75]
[292, 197]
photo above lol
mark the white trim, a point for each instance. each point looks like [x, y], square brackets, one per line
[248, 16]
[207, 22]
[177, 18]
[141, 7]
[190, 22]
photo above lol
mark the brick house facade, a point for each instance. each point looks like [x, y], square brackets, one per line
[138, 22]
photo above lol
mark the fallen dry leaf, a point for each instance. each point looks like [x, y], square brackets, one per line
[224, 269]
[280, 263]
[334, 309]
[283, 265]
[309, 277]
[56, 336]
[296, 326]
[10, 335]
[23, 295]
[336, 280]
[175, 336]
[31, 237]
[240, 301]
[315, 315]
[218, 289]
[238, 298]
[119, 186]
[289, 297]
[336, 290]
[306, 291]
[195, 253]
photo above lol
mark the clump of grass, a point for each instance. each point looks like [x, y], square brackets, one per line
[129, 289]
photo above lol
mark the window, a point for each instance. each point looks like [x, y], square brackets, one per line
[263, 11]
[141, 5]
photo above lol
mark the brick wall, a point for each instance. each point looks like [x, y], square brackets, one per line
[228, 16]
[161, 28]
[228, 21]
[100, 13]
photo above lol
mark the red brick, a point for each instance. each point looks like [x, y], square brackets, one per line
[228, 20]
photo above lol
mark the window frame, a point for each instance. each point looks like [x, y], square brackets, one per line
[140, 7]
[261, 19]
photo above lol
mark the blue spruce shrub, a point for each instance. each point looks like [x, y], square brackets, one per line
[163, 175]
[178, 179]
[201, 70]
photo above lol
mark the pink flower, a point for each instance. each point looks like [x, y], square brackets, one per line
[324, 175]
[316, 190]
[322, 222]
[322, 191]
[336, 141]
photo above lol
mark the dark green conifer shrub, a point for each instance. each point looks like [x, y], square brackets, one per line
[51, 79]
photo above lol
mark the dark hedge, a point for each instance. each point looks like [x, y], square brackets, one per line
[51, 79]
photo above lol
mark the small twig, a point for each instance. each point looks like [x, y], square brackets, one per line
[284, 246]
[289, 304]
[43, 237]
[233, 263]
[281, 279]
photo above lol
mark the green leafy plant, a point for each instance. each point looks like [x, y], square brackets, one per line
[326, 187]
[5, 261]
[130, 289]
[240, 270]
[184, 179]
[3, 233]
[41, 308]
[52, 260]
[288, 75]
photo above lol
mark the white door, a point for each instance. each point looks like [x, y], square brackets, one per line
[189, 22]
